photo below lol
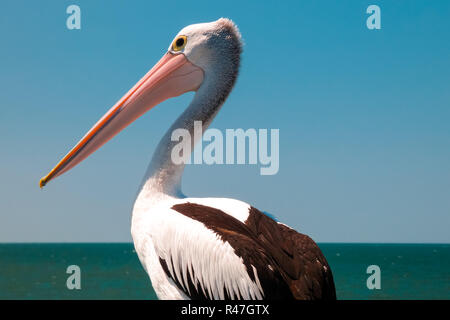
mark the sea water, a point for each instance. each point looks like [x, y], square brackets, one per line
[113, 271]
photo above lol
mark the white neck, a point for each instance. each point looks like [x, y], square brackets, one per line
[163, 177]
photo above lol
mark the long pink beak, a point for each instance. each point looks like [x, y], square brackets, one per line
[172, 76]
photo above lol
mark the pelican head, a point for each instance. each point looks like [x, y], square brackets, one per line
[215, 47]
[202, 57]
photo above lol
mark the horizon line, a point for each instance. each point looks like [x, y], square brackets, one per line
[130, 242]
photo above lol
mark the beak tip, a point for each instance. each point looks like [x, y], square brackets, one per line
[42, 182]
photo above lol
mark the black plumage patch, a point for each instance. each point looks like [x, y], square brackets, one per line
[300, 260]
[289, 265]
[245, 245]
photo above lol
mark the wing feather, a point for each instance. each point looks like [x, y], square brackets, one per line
[216, 256]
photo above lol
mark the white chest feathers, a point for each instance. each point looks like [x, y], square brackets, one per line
[172, 246]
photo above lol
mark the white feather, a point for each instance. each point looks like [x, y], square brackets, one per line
[184, 243]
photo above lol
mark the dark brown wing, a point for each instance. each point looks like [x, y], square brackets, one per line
[304, 266]
[288, 264]
[245, 245]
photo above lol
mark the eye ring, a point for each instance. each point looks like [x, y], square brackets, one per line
[179, 43]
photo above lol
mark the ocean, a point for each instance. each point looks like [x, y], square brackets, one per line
[113, 271]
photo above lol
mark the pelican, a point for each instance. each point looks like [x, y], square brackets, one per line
[203, 248]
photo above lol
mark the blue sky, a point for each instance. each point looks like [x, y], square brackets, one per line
[363, 115]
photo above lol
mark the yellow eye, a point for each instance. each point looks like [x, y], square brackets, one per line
[179, 43]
